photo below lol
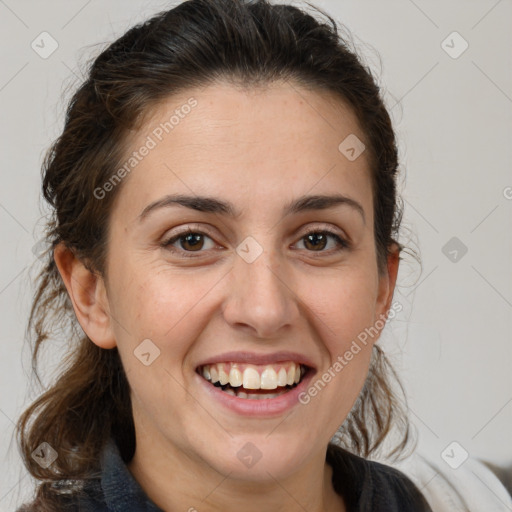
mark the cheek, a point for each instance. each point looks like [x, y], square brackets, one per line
[344, 307]
[156, 303]
[344, 313]
[152, 301]
[168, 308]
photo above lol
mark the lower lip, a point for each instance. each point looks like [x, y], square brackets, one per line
[261, 407]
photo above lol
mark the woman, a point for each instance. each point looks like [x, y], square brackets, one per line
[225, 235]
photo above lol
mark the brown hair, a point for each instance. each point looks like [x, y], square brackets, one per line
[193, 44]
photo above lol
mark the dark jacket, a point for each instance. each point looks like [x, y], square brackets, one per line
[366, 486]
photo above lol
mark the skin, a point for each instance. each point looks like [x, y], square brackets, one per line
[259, 149]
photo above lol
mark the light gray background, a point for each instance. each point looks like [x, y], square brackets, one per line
[452, 343]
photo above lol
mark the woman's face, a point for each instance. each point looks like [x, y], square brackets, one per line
[248, 296]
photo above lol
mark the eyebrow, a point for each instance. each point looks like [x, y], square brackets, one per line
[214, 205]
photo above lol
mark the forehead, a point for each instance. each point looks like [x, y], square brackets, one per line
[280, 141]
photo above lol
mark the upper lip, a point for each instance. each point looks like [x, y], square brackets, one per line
[258, 358]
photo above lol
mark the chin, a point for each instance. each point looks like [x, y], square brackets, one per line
[258, 458]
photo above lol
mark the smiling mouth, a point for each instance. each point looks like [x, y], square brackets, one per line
[254, 382]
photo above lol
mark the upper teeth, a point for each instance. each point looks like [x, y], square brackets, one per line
[254, 376]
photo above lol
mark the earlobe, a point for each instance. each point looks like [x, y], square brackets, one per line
[88, 296]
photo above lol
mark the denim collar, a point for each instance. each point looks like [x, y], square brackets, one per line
[365, 485]
[121, 491]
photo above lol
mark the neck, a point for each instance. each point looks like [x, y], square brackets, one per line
[175, 481]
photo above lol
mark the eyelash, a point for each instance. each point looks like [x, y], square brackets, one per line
[167, 244]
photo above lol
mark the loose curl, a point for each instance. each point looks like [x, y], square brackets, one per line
[196, 43]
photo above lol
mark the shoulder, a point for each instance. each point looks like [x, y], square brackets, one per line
[372, 486]
[111, 487]
[64, 496]
[392, 490]
[471, 488]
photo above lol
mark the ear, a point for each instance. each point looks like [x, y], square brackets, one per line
[387, 281]
[88, 296]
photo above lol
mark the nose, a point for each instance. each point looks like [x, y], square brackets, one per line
[261, 298]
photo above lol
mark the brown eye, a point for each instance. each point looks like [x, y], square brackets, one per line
[190, 241]
[317, 241]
